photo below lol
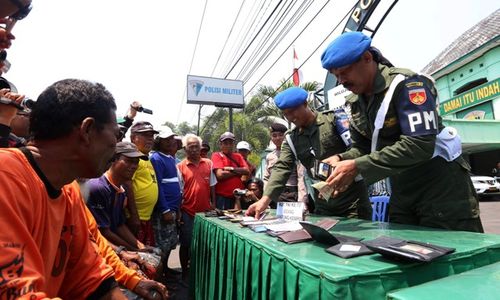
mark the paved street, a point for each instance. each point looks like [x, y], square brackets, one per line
[490, 214]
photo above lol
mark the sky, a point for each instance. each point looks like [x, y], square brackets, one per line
[144, 50]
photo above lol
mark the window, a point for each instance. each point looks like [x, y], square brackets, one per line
[469, 85]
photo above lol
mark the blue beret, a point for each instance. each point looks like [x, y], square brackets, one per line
[291, 97]
[345, 50]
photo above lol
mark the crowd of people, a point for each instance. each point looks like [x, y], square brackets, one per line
[87, 215]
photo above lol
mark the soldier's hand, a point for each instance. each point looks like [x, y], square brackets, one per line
[332, 160]
[258, 207]
[343, 175]
[151, 290]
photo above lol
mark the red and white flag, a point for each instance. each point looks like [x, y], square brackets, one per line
[297, 74]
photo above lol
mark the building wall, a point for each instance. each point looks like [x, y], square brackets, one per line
[486, 66]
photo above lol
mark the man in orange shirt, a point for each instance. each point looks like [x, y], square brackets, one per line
[198, 194]
[45, 247]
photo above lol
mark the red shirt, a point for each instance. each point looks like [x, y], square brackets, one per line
[197, 181]
[226, 187]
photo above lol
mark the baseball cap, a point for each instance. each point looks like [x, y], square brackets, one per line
[243, 146]
[143, 126]
[166, 132]
[205, 145]
[129, 150]
[226, 135]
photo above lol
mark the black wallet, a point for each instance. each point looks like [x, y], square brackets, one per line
[407, 250]
[321, 235]
[349, 249]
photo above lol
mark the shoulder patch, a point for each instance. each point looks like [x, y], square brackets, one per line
[417, 96]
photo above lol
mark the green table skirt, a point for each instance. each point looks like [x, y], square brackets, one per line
[478, 284]
[230, 262]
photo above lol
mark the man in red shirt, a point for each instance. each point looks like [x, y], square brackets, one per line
[198, 193]
[228, 167]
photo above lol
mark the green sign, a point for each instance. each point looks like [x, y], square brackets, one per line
[471, 97]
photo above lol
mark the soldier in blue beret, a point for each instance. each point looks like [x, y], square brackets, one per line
[314, 138]
[395, 129]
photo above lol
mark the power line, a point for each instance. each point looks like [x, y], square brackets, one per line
[192, 58]
[227, 39]
[246, 49]
[242, 41]
[266, 37]
[312, 53]
[293, 41]
[281, 35]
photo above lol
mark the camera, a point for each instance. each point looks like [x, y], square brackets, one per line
[25, 104]
[142, 109]
[240, 192]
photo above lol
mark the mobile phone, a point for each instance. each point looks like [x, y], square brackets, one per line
[322, 170]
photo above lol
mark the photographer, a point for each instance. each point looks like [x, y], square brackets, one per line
[252, 193]
[9, 98]
[127, 121]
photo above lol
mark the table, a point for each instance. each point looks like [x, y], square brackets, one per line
[478, 284]
[230, 262]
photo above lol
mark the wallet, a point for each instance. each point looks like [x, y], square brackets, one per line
[321, 235]
[349, 249]
[302, 235]
[407, 250]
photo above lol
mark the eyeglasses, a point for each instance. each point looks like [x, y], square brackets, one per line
[22, 10]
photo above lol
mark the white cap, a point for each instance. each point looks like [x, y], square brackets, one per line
[243, 145]
[165, 132]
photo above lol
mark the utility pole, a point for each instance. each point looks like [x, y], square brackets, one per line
[231, 119]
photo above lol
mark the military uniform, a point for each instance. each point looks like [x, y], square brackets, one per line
[426, 191]
[318, 141]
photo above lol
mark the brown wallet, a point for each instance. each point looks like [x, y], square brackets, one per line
[302, 235]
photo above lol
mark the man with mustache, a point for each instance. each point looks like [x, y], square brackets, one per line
[397, 133]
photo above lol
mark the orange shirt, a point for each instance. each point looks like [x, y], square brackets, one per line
[45, 249]
[125, 276]
[197, 181]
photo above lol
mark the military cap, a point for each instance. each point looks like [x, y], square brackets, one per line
[345, 50]
[291, 97]
[278, 127]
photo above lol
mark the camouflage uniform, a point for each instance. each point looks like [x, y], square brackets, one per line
[322, 139]
[426, 191]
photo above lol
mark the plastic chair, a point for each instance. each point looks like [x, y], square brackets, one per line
[379, 207]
